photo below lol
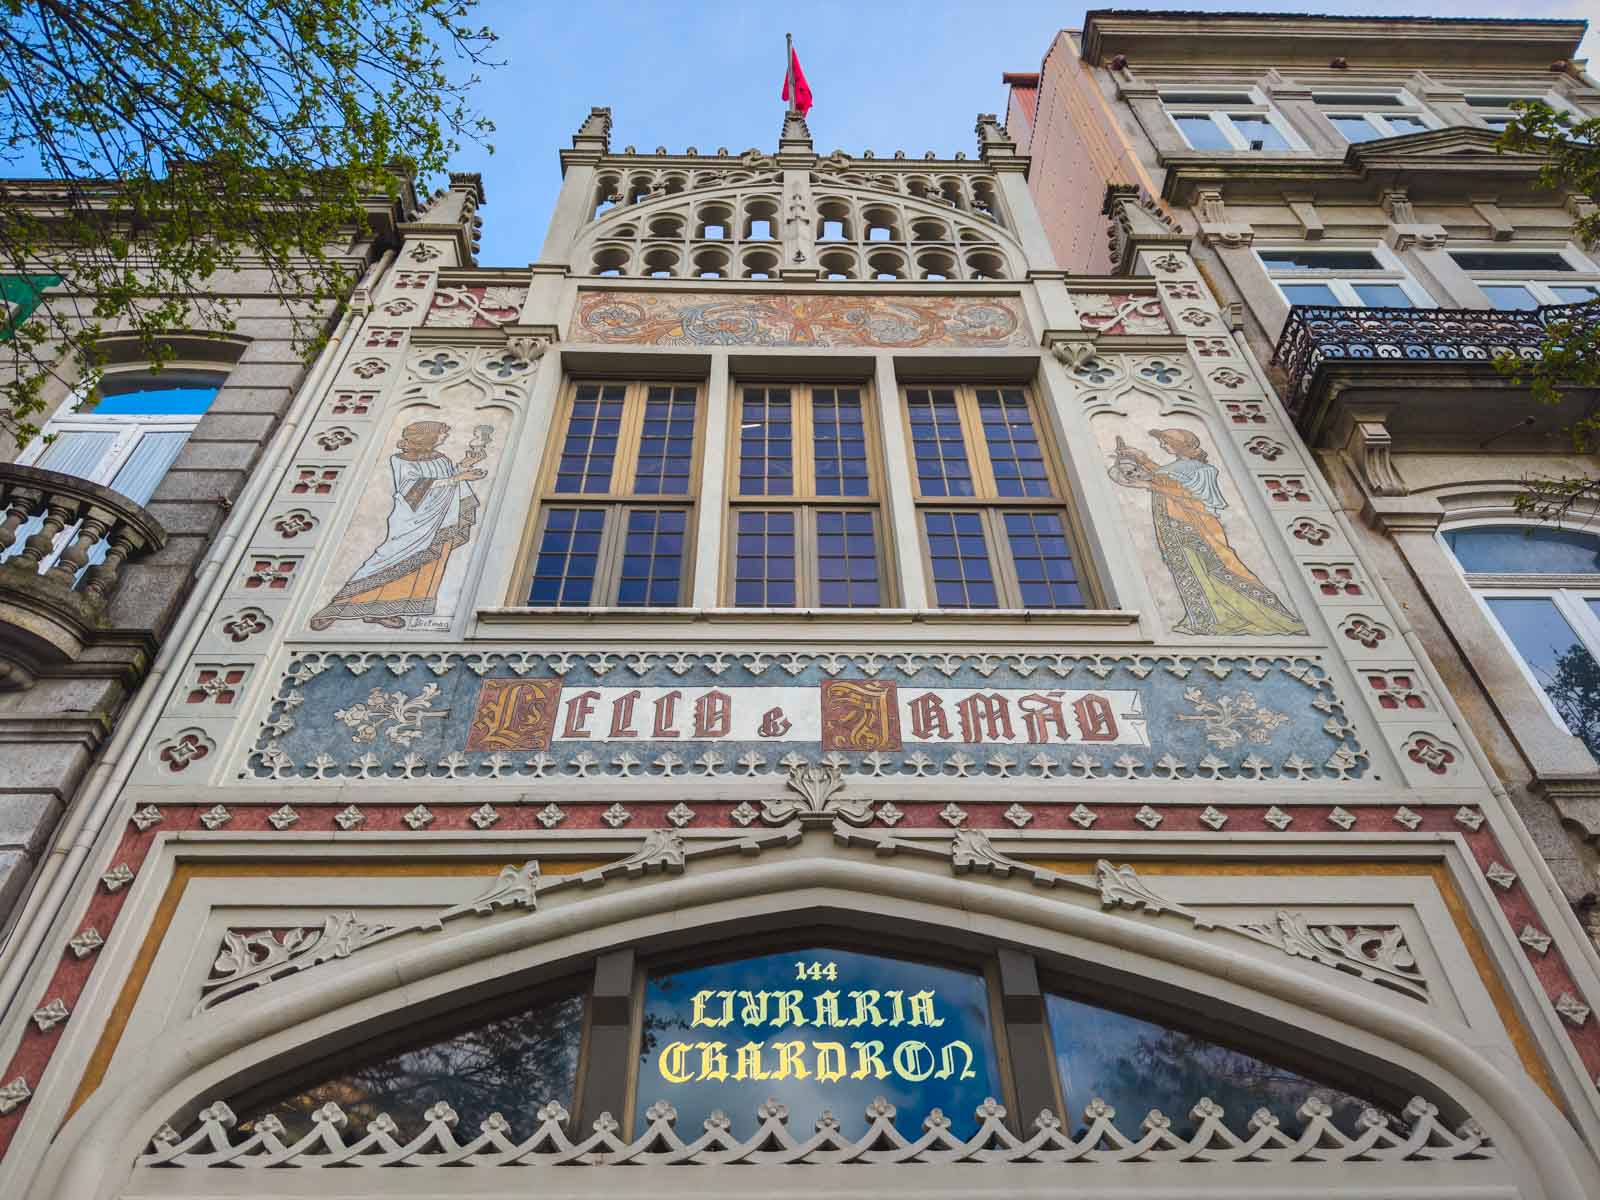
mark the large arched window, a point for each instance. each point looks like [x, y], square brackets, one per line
[1541, 586]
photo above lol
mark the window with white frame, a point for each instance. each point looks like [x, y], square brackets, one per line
[1494, 110]
[1525, 279]
[1541, 587]
[1355, 277]
[1368, 116]
[1231, 120]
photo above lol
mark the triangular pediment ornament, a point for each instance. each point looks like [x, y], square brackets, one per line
[1434, 145]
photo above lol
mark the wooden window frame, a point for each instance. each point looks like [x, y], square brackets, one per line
[619, 499]
[804, 501]
[988, 503]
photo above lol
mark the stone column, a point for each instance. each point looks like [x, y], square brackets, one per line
[713, 486]
[899, 510]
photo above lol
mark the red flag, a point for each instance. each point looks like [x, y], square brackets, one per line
[802, 89]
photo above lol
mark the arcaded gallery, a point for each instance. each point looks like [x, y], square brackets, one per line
[796, 690]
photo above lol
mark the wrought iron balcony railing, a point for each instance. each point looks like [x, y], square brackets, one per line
[1314, 335]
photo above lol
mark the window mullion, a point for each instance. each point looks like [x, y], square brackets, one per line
[608, 567]
[625, 467]
[977, 444]
[808, 592]
[1000, 564]
[803, 452]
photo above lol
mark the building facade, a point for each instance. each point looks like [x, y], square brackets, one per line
[1341, 179]
[798, 687]
[112, 515]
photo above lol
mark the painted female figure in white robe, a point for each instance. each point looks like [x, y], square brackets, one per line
[434, 510]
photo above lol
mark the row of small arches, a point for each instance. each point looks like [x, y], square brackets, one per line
[959, 192]
[762, 262]
[756, 220]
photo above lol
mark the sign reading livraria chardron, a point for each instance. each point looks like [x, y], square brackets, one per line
[821, 1031]
[571, 716]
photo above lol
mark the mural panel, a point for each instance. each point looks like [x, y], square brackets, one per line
[722, 319]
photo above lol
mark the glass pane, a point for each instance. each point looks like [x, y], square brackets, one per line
[822, 1031]
[1525, 549]
[1559, 661]
[1311, 293]
[1356, 129]
[569, 556]
[1358, 99]
[1136, 1066]
[839, 442]
[1383, 295]
[764, 558]
[1040, 555]
[1291, 259]
[591, 444]
[666, 442]
[155, 400]
[1579, 294]
[1260, 133]
[1507, 297]
[152, 456]
[959, 557]
[1202, 133]
[1510, 260]
[1402, 125]
[1206, 99]
[1015, 455]
[937, 443]
[766, 443]
[652, 557]
[78, 452]
[847, 560]
[509, 1065]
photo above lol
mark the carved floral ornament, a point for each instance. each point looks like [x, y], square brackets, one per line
[248, 960]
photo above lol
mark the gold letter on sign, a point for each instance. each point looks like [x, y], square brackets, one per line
[860, 714]
[514, 714]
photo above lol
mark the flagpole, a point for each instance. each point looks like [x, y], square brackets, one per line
[788, 68]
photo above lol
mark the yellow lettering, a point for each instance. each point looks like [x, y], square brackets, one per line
[869, 1060]
[827, 1009]
[755, 1008]
[713, 1062]
[671, 1064]
[789, 1010]
[830, 1061]
[947, 1062]
[922, 1009]
[749, 1064]
[867, 1003]
[699, 1016]
[791, 1060]
[897, 1000]
[908, 1061]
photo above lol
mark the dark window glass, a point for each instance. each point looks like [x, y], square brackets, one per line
[1136, 1066]
[1046, 575]
[766, 443]
[764, 546]
[652, 557]
[1559, 661]
[1359, 99]
[1525, 550]
[959, 555]
[1202, 133]
[1014, 452]
[666, 443]
[591, 444]
[1510, 260]
[569, 555]
[509, 1065]
[725, 1037]
[1206, 99]
[839, 441]
[937, 444]
[847, 560]
[1321, 260]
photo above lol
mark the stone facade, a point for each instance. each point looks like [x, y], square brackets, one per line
[546, 681]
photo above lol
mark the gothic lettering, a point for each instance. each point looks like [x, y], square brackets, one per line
[1095, 720]
[985, 716]
[579, 710]
[713, 715]
[622, 715]
[927, 717]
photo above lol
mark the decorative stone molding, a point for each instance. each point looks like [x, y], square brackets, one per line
[1420, 1139]
[1576, 799]
[1215, 228]
[1138, 223]
[1368, 443]
[1405, 230]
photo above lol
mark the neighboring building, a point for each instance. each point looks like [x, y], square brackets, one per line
[795, 687]
[108, 519]
[1342, 179]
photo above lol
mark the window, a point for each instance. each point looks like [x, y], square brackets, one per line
[1227, 121]
[804, 510]
[614, 526]
[1494, 110]
[1341, 278]
[994, 531]
[1526, 279]
[1367, 116]
[1541, 586]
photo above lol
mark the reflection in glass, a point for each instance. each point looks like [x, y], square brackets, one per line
[1383, 295]
[1559, 661]
[510, 1065]
[725, 1037]
[1525, 549]
[1136, 1066]
[1311, 293]
[1202, 133]
[1509, 297]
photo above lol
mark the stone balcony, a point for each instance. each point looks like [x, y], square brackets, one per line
[1431, 370]
[55, 588]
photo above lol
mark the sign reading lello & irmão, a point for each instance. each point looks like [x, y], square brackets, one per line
[820, 1030]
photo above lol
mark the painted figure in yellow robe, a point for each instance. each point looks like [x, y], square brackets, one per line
[434, 510]
[1220, 594]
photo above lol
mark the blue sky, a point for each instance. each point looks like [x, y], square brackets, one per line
[887, 74]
